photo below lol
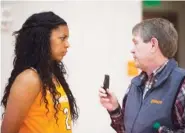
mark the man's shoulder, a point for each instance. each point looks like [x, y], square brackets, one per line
[180, 70]
[141, 76]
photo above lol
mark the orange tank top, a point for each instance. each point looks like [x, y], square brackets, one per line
[38, 122]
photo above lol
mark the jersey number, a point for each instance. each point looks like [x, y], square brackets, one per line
[66, 112]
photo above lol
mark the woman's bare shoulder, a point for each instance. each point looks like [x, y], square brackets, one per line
[28, 79]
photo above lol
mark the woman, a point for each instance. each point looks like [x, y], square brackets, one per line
[37, 98]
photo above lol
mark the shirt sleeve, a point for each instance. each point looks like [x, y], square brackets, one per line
[179, 111]
[117, 120]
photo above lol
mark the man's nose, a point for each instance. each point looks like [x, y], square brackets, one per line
[132, 51]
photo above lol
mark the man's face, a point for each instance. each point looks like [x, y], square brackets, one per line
[141, 52]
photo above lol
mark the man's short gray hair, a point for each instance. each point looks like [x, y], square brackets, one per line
[163, 30]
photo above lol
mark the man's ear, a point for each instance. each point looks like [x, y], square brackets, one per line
[155, 44]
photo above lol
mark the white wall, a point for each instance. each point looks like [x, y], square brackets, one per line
[100, 38]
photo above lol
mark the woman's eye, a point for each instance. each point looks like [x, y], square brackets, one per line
[62, 38]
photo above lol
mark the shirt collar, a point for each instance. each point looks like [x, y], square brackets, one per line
[155, 71]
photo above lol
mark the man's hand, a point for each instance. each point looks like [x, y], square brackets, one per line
[108, 100]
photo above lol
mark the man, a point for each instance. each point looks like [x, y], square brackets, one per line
[155, 100]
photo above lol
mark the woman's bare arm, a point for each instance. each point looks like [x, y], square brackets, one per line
[23, 93]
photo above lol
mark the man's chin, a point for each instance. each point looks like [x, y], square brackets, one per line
[137, 65]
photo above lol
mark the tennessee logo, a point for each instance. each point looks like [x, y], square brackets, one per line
[154, 101]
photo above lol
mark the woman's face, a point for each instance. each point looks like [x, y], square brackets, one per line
[59, 42]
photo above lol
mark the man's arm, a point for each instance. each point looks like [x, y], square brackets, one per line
[117, 118]
[164, 129]
[110, 102]
[180, 112]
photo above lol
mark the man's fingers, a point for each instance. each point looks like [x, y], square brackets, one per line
[105, 100]
[102, 95]
[109, 92]
[101, 90]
